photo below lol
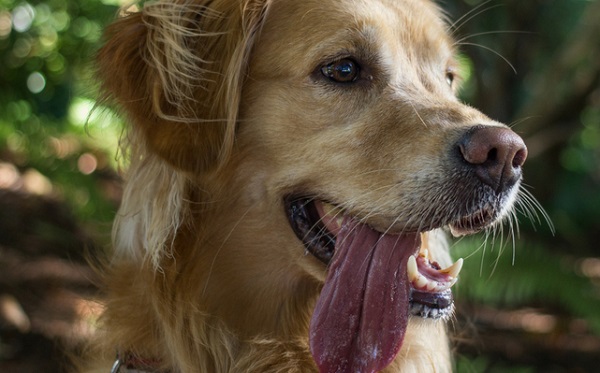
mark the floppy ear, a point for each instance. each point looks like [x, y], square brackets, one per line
[176, 69]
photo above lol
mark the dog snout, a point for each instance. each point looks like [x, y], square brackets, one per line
[495, 153]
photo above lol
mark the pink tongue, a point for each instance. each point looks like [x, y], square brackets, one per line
[361, 316]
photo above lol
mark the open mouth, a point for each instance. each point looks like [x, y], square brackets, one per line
[309, 226]
[375, 281]
[317, 223]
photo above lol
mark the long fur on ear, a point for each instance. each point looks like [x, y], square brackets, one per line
[177, 69]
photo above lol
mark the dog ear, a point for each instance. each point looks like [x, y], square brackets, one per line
[176, 69]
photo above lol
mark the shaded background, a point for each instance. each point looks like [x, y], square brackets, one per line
[529, 307]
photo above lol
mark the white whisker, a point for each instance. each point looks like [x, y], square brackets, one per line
[522, 120]
[494, 52]
[498, 32]
[534, 208]
[470, 15]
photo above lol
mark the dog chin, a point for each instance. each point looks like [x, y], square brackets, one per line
[489, 215]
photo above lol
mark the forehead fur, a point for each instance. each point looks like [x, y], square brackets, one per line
[391, 29]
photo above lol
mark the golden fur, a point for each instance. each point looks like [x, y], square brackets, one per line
[228, 115]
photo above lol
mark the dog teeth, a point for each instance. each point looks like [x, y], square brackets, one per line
[421, 282]
[454, 269]
[411, 268]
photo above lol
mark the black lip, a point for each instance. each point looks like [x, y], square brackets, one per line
[431, 305]
[432, 300]
[306, 224]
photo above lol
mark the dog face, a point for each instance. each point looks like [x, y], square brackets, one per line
[315, 209]
[367, 93]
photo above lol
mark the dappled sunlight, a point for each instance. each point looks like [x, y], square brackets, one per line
[36, 183]
[529, 320]
[590, 268]
[87, 163]
[13, 314]
[9, 176]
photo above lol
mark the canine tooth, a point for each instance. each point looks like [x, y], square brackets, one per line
[454, 269]
[411, 268]
[424, 253]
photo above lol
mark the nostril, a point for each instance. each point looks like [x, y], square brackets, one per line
[492, 155]
[475, 151]
[519, 157]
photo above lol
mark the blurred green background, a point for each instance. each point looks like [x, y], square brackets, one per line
[529, 307]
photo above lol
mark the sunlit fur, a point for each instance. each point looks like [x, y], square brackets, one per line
[229, 114]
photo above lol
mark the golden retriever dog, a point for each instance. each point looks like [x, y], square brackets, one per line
[292, 168]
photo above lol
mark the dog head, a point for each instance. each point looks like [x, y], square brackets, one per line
[323, 127]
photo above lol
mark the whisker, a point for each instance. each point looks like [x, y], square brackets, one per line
[522, 120]
[500, 248]
[221, 247]
[471, 14]
[535, 207]
[417, 112]
[485, 245]
[516, 222]
[494, 52]
[526, 208]
[518, 235]
[512, 223]
[497, 32]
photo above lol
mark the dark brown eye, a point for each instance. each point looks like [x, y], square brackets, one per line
[342, 71]
[449, 78]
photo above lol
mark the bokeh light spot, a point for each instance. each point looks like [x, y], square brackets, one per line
[36, 183]
[36, 82]
[23, 16]
[5, 24]
[87, 163]
[9, 176]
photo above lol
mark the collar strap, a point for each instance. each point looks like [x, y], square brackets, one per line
[129, 363]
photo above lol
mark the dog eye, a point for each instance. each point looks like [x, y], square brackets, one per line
[342, 71]
[449, 78]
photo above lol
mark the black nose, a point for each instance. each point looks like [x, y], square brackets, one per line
[495, 153]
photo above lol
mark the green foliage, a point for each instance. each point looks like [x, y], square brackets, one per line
[577, 201]
[530, 274]
[482, 364]
[46, 51]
